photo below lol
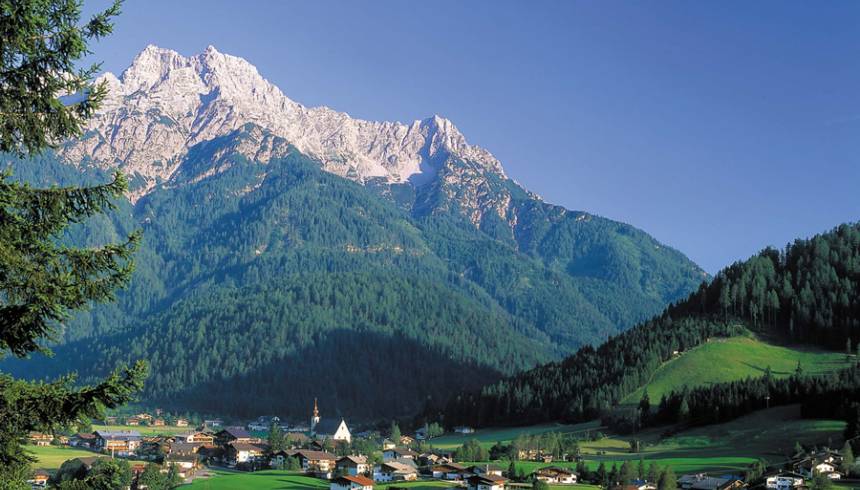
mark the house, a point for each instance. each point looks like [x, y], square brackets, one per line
[640, 485]
[485, 469]
[556, 475]
[39, 479]
[395, 471]
[133, 421]
[159, 422]
[711, 483]
[185, 465]
[152, 449]
[486, 482]
[406, 440]
[83, 439]
[40, 439]
[209, 424]
[181, 422]
[435, 457]
[319, 463]
[196, 438]
[279, 458]
[823, 464]
[243, 452]
[232, 434]
[352, 465]
[448, 471]
[464, 429]
[184, 448]
[701, 481]
[118, 443]
[351, 482]
[388, 444]
[398, 453]
[784, 481]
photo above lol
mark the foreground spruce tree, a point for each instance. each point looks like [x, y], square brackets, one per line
[42, 281]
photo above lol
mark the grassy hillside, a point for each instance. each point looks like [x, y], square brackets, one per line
[721, 360]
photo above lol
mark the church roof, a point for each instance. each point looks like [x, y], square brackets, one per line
[327, 427]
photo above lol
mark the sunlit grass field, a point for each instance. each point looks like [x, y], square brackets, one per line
[722, 360]
[145, 430]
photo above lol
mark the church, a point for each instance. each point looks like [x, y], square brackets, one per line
[329, 428]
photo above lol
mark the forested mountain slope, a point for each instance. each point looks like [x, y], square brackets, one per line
[370, 264]
[808, 293]
[278, 274]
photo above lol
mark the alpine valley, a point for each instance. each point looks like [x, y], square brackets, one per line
[293, 252]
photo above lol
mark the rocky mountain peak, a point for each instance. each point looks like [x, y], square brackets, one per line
[165, 102]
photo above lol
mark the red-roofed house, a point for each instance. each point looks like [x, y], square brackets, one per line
[350, 482]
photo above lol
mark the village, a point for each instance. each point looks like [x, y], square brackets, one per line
[326, 449]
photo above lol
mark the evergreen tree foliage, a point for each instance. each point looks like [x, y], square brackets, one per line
[667, 480]
[806, 293]
[42, 281]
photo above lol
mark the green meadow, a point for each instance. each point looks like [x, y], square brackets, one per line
[490, 436]
[145, 430]
[722, 360]
[729, 447]
[284, 480]
[51, 457]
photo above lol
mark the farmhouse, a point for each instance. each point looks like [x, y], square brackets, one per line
[184, 464]
[181, 422]
[119, 443]
[486, 482]
[184, 448]
[398, 453]
[319, 463]
[784, 481]
[83, 439]
[485, 469]
[701, 481]
[40, 439]
[352, 465]
[233, 434]
[448, 471]
[243, 452]
[39, 479]
[351, 483]
[395, 471]
[196, 437]
[555, 474]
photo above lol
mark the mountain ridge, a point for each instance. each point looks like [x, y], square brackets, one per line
[165, 103]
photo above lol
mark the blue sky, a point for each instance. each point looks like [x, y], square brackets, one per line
[718, 127]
